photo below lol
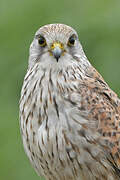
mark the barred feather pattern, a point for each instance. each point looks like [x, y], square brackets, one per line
[70, 123]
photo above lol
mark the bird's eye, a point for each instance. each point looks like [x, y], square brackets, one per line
[71, 40]
[42, 41]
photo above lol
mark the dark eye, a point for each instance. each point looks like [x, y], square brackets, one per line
[71, 40]
[41, 41]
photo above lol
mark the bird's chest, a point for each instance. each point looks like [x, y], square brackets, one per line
[43, 127]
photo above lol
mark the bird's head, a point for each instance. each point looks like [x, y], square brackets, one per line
[56, 45]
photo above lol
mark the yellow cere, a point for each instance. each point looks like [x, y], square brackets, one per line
[57, 44]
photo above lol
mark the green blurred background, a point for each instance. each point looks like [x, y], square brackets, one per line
[98, 26]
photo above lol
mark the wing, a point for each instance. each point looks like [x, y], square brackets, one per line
[100, 104]
[105, 107]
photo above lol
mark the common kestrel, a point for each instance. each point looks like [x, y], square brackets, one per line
[69, 117]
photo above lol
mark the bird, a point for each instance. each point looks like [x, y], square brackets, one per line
[69, 116]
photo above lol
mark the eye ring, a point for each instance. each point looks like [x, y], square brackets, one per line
[71, 40]
[42, 41]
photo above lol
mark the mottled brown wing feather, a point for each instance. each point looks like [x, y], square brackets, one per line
[103, 105]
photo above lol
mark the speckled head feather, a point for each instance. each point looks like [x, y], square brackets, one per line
[57, 33]
[56, 29]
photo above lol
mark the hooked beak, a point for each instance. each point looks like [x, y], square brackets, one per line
[57, 50]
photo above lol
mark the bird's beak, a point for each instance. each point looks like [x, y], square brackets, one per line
[57, 50]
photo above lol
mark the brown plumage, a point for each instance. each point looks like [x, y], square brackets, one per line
[69, 117]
